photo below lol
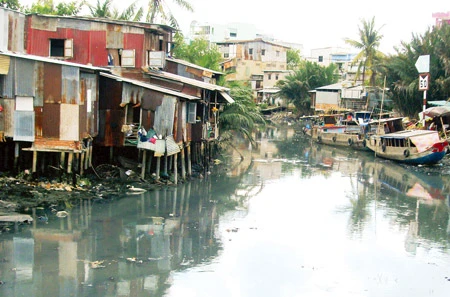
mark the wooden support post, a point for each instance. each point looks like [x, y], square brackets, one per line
[69, 162]
[189, 165]
[34, 161]
[149, 162]
[86, 151]
[144, 163]
[91, 148]
[16, 155]
[175, 168]
[183, 165]
[62, 160]
[111, 154]
[82, 155]
[158, 167]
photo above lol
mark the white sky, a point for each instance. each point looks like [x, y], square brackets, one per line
[314, 23]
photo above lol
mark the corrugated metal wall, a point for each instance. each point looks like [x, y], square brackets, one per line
[8, 81]
[13, 23]
[23, 126]
[52, 83]
[70, 85]
[164, 116]
[24, 77]
[88, 111]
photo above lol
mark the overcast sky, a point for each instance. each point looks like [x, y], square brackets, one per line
[319, 23]
[314, 23]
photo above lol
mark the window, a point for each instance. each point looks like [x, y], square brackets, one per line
[155, 59]
[278, 53]
[62, 48]
[320, 58]
[269, 76]
[276, 76]
[232, 34]
[263, 52]
[226, 55]
[192, 113]
[250, 51]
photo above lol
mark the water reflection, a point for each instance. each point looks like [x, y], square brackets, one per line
[139, 245]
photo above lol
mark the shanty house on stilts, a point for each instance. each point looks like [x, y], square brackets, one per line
[49, 109]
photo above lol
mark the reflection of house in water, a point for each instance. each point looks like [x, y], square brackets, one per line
[120, 249]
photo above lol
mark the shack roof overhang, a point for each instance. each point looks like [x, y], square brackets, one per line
[149, 26]
[186, 63]
[222, 91]
[149, 86]
[54, 61]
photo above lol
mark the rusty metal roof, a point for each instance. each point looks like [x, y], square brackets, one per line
[54, 61]
[186, 63]
[150, 86]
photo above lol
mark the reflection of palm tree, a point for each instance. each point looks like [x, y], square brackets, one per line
[159, 7]
[368, 44]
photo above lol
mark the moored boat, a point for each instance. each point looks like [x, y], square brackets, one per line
[409, 146]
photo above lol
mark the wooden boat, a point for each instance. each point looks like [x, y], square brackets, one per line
[409, 146]
[339, 130]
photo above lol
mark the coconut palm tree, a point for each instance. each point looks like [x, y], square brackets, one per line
[368, 43]
[160, 8]
[106, 10]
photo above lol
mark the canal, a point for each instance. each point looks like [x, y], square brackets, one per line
[291, 219]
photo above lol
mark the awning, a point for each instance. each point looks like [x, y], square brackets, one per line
[226, 97]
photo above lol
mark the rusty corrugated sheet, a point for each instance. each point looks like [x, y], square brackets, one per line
[51, 120]
[88, 98]
[132, 94]
[16, 31]
[52, 83]
[164, 116]
[70, 85]
[114, 37]
[39, 84]
[38, 119]
[25, 85]
[7, 116]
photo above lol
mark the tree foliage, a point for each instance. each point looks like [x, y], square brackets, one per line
[369, 57]
[293, 58]
[159, 8]
[310, 75]
[403, 77]
[11, 4]
[62, 8]
[198, 51]
[106, 10]
[241, 117]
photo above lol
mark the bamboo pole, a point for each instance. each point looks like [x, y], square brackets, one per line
[144, 163]
[175, 168]
[183, 164]
[189, 163]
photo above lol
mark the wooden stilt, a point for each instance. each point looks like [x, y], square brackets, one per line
[62, 160]
[175, 168]
[34, 161]
[69, 162]
[158, 167]
[16, 155]
[144, 163]
[86, 152]
[183, 165]
[111, 154]
[149, 162]
[82, 155]
[189, 163]
[91, 148]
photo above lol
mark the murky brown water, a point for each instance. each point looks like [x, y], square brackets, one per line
[302, 220]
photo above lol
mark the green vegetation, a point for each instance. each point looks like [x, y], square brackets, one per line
[369, 57]
[308, 77]
[160, 8]
[293, 59]
[48, 7]
[198, 52]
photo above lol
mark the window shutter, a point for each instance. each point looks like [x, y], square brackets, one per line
[128, 58]
[68, 48]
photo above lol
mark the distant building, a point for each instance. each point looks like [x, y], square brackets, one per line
[342, 57]
[221, 32]
[441, 18]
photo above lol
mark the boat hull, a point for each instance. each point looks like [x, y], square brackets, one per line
[408, 154]
[336, 136]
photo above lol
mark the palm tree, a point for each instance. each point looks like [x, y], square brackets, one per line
[159, 7]
[106, 10]
[369, 56]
